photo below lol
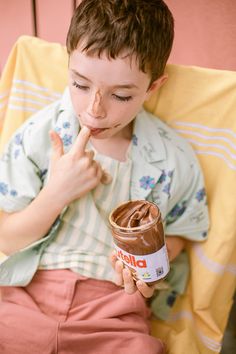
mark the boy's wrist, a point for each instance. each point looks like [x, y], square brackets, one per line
[54, 199]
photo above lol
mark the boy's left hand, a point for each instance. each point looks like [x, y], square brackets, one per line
[124, 278]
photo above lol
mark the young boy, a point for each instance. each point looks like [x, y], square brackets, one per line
[65, 170]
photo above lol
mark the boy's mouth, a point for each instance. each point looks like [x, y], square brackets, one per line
[96, 131]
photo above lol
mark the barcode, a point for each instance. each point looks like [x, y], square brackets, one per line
[159, 271]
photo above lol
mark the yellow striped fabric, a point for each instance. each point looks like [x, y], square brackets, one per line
[35, 75]
[200, 104]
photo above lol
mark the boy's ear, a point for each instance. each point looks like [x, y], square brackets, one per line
[157, 84]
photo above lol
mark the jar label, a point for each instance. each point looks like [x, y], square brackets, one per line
[148, 267]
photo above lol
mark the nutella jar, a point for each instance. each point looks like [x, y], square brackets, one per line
[139, 240]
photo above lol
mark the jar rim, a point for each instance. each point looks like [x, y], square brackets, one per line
[136, 228]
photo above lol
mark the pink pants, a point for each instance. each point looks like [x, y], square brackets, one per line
[61, 312]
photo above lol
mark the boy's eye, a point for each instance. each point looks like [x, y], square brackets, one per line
[122, 98]
[78, 86]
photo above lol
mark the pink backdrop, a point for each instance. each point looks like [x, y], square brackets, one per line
[205, 29]
[205, 33]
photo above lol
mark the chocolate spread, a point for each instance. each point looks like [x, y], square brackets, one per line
[137, 230]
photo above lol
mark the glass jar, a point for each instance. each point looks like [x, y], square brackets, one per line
[139, 240]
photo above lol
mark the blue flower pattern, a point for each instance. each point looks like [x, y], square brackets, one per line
[18, 139]
[67, 139]
[66, 125]
[147, 182]
[135, 140]
[17, 145]
[163, 177]
[176, 212]
[13, 193]
[166, 176]
[200, 195]
[5, 190]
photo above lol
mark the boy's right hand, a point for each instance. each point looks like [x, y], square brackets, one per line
[75, 173]
[123, 277]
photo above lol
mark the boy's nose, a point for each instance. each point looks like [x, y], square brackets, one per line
[96, 107]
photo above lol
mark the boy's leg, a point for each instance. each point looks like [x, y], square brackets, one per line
[60, 312]
[104, 319]
[24, 329]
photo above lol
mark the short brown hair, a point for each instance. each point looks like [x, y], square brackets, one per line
[143, 27]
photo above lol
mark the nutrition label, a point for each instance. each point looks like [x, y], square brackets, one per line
[149, 267]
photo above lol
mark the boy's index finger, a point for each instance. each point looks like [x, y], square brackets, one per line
[81, 141]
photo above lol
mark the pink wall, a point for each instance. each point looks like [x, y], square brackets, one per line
[53, 18]
[205, 29]
[205, 33]
[15, 19]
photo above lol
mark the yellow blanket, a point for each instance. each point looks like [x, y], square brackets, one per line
[200, 104]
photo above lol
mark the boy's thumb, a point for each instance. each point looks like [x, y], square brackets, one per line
[57, 145]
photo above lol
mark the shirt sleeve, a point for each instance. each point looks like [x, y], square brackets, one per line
[188, 214]
[20, 177]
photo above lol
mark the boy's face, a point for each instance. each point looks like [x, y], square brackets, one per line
[107, 94]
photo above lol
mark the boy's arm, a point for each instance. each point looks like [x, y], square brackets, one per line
[72, 175]
[175, 245]
[20, 229]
